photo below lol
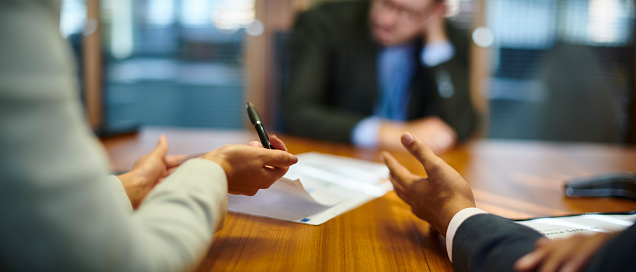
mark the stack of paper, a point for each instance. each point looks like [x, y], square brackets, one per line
[319, 187]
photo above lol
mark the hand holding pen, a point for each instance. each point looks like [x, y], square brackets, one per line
[275, 142]
[266, 141]
[272, 142]
[255, 118]
[273, 170]
[250, 168]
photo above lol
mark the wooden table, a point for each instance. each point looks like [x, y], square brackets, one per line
[516, 179]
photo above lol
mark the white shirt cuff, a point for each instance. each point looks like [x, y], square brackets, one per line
[436, 53]
[454, 224]
[366, 132]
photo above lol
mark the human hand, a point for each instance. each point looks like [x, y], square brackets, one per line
[433, 131]
[250, 168]
[433, 29]
[436, 198]
[567, 255]
[276, 143]
[149, 171]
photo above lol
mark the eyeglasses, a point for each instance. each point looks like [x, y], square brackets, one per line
[403, 13]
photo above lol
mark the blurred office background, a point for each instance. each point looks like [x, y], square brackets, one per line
[169, 62]
[541, 69]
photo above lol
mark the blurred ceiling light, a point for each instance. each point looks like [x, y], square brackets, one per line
[73, 17]
[121, 42]
[195, 12]
[604, 20]
[160, 12]
[232, 15]
[483, 37]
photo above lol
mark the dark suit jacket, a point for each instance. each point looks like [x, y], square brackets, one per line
[333, 76]
[487, 242]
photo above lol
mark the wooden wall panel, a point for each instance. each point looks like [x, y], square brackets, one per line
[92, 67]
[261, 86]
[480, 71]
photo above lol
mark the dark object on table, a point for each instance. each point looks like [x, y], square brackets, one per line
[610, 185]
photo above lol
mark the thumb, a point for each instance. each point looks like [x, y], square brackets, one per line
[421, 152]
[278, 158]
[162, 146]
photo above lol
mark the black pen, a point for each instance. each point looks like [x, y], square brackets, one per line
[258, 125]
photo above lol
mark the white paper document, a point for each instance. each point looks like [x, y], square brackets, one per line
[319, 187]
[566, 226]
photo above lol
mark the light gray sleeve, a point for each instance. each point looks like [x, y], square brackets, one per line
[120, 191]
[58, 209]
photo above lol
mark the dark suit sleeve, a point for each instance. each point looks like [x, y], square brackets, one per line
[307, 105]
[487, 242]
[617, 255]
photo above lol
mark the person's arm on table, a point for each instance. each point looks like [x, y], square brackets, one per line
[598, 252]
[446, 201]
[148, 171]
[566, 255]
[154, 167]
[59, 211]
[478, 241]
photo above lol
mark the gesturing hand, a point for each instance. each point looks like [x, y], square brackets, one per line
[436, 198]
[433, 131]
[250, 168]
[566, 255]
[148, 171]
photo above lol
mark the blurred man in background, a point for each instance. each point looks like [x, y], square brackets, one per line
[364, 72]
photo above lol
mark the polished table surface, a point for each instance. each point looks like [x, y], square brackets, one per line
[515, 179]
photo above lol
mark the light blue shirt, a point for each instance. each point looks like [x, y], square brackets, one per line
[395, 71]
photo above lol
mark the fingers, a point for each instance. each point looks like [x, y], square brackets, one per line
[247, 192]
[277, 143]
[162, 146]
[564, 255]
[399, 189]
[422, 153]
[556, 257]
[531, 260]
[542, 242]
[255, 144]
[400, 176]
[577, 262]
[586, 251]
[175, 160]
[169, 171]
[277, 158]
[274, 140]
[272, 175]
